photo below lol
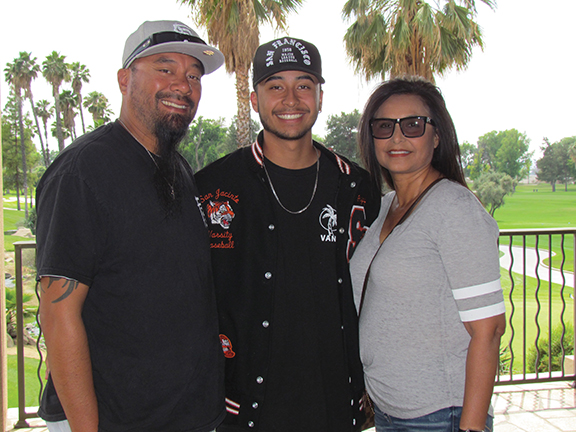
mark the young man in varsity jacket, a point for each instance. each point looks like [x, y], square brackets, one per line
[285, 216]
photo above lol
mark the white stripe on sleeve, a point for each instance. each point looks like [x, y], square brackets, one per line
[483, 312]
[477, 290]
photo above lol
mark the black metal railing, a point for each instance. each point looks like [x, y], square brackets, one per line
[538, 279]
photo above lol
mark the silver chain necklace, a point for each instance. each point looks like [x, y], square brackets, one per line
[313, 192]
[171, 185]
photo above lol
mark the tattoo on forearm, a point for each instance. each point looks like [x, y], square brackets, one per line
[69, 285]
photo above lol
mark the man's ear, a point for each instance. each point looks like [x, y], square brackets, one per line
[254, 100]
[124, 80]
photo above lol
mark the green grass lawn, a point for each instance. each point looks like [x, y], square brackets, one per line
[32, 384]
[527, 209]
[13, 219]
[543, 209]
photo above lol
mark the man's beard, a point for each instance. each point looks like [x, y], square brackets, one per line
[169, 178]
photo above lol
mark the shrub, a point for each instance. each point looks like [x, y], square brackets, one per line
[557, 358]
[30, 221]
[11, 306]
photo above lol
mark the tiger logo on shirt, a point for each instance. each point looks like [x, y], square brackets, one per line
[220, 213]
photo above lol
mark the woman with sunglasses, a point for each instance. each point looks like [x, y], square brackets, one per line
[426, 275]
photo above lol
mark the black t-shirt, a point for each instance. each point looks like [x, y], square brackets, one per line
[307, 385]
[150, 312]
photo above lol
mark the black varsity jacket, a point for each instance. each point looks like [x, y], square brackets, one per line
[237, 200]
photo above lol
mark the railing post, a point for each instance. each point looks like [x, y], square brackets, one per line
[3, 345]
[574, 305]
[20, 338]
[22, 414]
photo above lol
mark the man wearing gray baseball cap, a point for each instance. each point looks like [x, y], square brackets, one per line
[127, 305]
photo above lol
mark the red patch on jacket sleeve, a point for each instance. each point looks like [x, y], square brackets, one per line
[227, 346]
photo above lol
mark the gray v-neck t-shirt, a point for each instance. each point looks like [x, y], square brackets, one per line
[433, 272]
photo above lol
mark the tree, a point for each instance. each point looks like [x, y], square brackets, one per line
[29, 71]
[16, 75]
[504, 151]
[513, 157]
[97, 105]
[10, 155]
[80, 74]
[413, 37]
[341, 134]
[467, 154]
[11, 151]
[491, 188]
[68, 103]
[572, 152]
[232, 135]
[54, 130]
[205, 142]
[45, 111]
[55, 70]
[556, 164]
[233, 25]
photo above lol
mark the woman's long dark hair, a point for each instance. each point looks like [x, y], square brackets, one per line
[446, 157]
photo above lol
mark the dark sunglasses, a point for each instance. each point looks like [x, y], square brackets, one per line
[411, 127]
[160, 38]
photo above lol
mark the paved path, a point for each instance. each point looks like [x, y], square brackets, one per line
[531, 261]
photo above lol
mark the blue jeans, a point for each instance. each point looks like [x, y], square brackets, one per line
[444, 420]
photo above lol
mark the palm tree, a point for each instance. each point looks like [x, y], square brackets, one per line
[80, 73]
[64, 131]
[97, 105]
[12, 118]
[68, 103]
[55, 70]
[413, 37]
[45, 111]
[233, 26]
[29, 71]
[16, 76]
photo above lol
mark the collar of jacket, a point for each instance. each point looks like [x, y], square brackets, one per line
[258, 155]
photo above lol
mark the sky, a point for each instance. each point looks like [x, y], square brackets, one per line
[523, 79]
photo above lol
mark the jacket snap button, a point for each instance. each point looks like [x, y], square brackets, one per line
[259, 380]
[268, 275]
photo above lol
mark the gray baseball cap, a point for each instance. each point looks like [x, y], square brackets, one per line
[156, 37]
